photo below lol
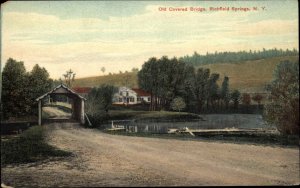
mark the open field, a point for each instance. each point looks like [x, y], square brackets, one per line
[110, 160]
[248, 76]
[114, 79]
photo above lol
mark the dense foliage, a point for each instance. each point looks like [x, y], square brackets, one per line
[21, 88]
[167, 79]
[233, 57]
[283, 111]
[99, 102]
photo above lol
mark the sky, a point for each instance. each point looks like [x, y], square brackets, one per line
[120, 35]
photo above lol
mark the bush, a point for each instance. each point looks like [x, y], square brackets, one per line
[283, 111]
[178, 104]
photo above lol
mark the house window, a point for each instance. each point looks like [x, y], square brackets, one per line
[127, 94]
[131, 99]
[120, 100]
[148, 99]
[138, 99]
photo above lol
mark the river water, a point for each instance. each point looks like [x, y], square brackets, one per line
[211, 121]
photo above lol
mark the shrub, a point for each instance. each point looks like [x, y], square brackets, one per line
[283, 111]
[178, 104]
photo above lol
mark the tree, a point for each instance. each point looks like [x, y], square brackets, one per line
[39, 83]
[225, 95]
[105, 94]
[147, 77]
[100, 100]
[201, 86]
[213, 89]
[103, 69]
[20, 88]
[178, 104]
[283, 110]
[93, 105]
[15, 97]
[235, 97]
[69, 77]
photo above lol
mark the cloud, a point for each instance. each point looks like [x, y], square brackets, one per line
[120, 43]
[267, 27]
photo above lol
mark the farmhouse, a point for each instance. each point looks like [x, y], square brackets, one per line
[132, 96]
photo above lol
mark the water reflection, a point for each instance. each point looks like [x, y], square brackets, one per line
[210, 122]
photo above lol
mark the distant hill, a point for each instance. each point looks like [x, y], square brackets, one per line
[247, 76]
[113, 79]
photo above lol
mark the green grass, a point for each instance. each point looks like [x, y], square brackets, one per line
[30, 146]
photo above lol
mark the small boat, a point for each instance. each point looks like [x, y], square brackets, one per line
[170, 131]
[116, 129]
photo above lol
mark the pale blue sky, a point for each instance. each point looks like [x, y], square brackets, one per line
[86, 35]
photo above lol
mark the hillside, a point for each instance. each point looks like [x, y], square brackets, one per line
[113, 79]
[248, 76]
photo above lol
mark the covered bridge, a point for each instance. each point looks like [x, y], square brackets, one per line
[77, 102]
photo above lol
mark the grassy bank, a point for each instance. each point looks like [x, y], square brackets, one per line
[30, 146]
[255, 139]
[152, 115]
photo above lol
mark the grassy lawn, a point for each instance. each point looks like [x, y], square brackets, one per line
[30, 146]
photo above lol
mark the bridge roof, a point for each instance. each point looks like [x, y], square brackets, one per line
[61, 89]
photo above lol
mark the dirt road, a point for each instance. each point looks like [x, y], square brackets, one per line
[110, 160]
[56, 113]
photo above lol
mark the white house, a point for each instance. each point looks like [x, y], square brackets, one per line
[129, 96]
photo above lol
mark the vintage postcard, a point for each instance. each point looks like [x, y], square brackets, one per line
[149, 93]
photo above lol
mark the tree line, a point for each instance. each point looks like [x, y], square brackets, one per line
[20, 88]
[233, 57]
[169, 79]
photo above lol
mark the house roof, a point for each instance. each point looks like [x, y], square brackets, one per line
[82, 89]
[140, 92]
[56, 88]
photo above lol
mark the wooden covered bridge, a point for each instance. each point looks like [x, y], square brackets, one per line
[77, 103]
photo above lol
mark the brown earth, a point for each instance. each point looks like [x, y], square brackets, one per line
[110, 160]
[55, 113]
